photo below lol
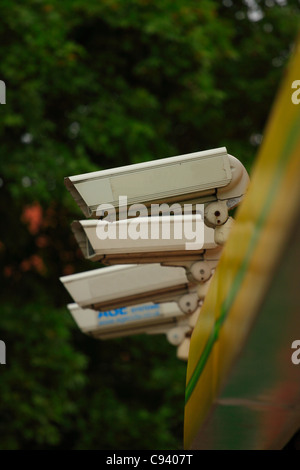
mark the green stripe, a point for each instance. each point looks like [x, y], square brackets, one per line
[284, 159]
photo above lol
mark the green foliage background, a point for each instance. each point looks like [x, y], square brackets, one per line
[94, 85]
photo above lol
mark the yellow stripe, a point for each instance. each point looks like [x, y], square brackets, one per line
[278, 166]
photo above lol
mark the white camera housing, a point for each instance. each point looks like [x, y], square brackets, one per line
[121, 286]
[200, 177]
[142, 251]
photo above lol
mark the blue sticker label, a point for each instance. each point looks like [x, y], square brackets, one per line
[127, 314]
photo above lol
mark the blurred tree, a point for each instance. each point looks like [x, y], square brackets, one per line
[93, 85]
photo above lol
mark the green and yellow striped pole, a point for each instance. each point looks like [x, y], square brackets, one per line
[252, 256]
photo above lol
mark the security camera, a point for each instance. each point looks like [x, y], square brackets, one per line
[213, 178]
[114, 287]
[170, 252]
[170, 249]
[148, 237]
[146, 318]
[150, 318]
